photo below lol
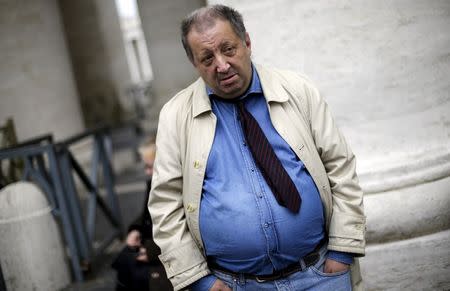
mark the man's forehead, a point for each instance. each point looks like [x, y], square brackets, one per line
[208, 34]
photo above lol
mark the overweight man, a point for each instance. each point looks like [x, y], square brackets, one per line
[254, 186]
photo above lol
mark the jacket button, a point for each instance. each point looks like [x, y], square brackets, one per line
[196, 164]
[191, 208]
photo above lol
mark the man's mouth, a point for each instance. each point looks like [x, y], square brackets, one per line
[227, 80]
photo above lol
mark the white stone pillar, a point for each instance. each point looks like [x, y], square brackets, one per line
[172, 71]
[98, 55]
[31, 250]
[36, 84]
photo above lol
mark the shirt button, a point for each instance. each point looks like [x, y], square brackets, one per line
[244, 144]
[252, 170]
[260, 196]
[266, 225]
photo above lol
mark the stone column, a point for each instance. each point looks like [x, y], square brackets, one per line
[31, 249]
[161, 25]
[36, 85]
[98, 55]
[383, 68]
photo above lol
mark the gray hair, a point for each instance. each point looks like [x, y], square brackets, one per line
[205, 17]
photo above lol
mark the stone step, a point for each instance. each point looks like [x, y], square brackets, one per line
[422, 263]
[419, 168]
[408, 212]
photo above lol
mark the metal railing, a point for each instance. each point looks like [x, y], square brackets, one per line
[48, 177]
[2, 280]
[53, 166]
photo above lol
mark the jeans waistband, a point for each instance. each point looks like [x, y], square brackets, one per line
[317, 256]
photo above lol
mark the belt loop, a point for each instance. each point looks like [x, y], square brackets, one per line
[241, 279]
[302, 264]
[323, 254]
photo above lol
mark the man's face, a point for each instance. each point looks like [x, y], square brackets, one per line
[148, 158]
[222, 59]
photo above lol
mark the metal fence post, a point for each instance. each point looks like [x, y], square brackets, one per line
[69, 232]
[73, 204]
[101, 140]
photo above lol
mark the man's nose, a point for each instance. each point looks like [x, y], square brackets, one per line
[222, 65]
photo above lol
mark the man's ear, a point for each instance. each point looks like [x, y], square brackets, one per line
[192, 61]
[248, 43]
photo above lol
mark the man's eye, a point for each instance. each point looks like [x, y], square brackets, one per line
[207, 60]
[229, 50]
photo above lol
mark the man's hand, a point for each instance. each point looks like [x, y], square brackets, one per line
[142, 255]
[219, 285]
[332, 266]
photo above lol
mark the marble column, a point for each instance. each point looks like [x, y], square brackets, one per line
[37, 86]
[97, 51]
[171, 69]
[383, 67]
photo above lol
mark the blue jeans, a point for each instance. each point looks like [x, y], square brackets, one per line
[311, 278]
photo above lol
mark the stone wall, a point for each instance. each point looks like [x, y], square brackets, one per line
[36, 85]
[98, 56]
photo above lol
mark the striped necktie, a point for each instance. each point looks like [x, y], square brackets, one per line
[270, 166]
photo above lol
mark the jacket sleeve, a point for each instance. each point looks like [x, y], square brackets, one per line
[181, 257]
[346, 230]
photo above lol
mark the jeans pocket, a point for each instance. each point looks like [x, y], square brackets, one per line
[227, 279]
[323, 274]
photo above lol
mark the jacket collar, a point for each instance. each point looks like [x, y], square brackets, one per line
[272, 88]
[272, 85]
[200, 99]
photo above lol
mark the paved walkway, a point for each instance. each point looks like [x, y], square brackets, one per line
[102, 277]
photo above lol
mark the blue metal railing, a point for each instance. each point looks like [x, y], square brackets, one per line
[49, 179]
[53, 167]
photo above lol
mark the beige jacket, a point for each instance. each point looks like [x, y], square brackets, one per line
[185, 135]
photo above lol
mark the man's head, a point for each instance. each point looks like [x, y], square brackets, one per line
[147, 151]
[219, 47]
[134, 236]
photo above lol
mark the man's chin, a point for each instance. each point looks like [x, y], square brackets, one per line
[230, 93]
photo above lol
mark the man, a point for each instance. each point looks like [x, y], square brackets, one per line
[137, 265]
[254, 186]
[131, 264]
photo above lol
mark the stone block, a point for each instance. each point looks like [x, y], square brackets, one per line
[31, 249]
